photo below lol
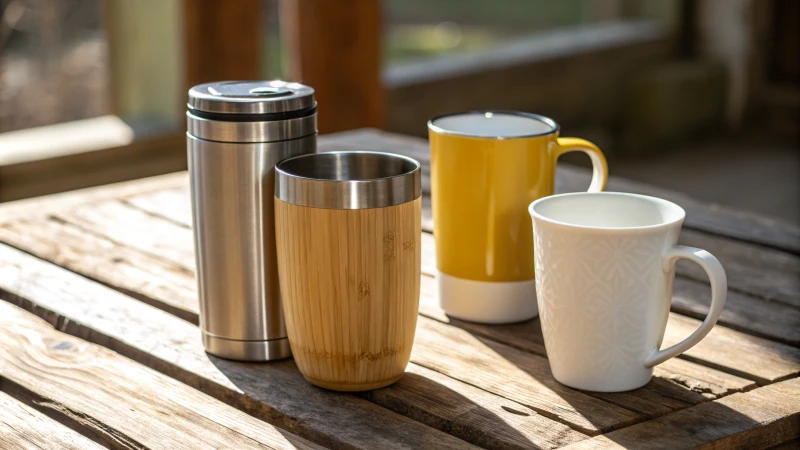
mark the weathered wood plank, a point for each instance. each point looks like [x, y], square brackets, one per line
[660, 397]
[132, 272]
[752, 269]
[42, 206]
[24, 428]
[456, 408]
[526, 378]
[744, 312]
[753, 315]
[149, 285]
[757, 419]
[724, 349]
[117, 401]
[24, 277]
[269, 391]
[790, 445]
[768, 361]
[134, 228]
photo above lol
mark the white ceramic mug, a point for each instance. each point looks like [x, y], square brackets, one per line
[605, 264]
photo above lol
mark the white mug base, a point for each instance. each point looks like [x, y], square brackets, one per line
[487, 301]
[580, 379]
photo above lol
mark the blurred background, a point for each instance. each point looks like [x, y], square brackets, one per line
[697, 96]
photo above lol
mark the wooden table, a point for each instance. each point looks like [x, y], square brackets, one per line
[100, 344]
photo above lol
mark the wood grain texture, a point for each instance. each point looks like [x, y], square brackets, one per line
[471, 413]
[29, 282]
[766, 273]
[132, 272]
[668, 392]
[757, 419]
[350, 291]
[338, 51]
[24, 428]
[118, 402]
[661, 397]
[744, 312]
[44, 206]
[268, 391]
[775, 320]
[727, 350]
[527, 336]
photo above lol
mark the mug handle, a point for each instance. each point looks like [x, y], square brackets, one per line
[599, 165]
[719, 289]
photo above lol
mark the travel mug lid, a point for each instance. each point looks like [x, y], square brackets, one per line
[266, 100]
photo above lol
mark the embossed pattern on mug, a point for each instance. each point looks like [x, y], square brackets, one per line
[606, 283]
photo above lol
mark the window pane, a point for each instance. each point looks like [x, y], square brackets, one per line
[53, 62]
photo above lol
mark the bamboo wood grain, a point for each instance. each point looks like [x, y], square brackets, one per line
[350, 291]
[118, 402]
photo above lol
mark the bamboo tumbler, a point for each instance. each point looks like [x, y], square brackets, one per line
[347, 228]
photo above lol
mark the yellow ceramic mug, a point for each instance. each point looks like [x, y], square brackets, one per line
[486, 168]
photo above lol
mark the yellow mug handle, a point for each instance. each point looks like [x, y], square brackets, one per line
[599, 165]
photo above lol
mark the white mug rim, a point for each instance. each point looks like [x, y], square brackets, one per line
[554, 127]
[553, 198]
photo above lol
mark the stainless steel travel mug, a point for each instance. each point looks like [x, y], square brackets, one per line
[237, 132]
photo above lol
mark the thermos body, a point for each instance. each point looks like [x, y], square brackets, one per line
[237, 133]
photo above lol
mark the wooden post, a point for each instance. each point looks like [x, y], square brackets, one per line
[222, 40]
[335, 47]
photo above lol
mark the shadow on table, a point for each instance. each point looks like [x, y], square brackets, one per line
[665, 419]
[327, 417]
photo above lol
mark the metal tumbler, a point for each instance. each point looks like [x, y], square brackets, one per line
[237, 132]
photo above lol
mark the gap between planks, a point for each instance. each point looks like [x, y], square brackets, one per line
[164, 238]
[642, 401]
[271, 391]
[101, 394]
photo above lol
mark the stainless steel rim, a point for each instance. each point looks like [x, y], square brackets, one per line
[272, 131]
[432, 126]
[212, 97]
[348, 180]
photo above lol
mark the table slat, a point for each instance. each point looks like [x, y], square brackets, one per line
[276, 391]
[24, 428]
[724, 349]
[158, 237]
[148, 283]
[772, 274]
[753, 271]
[661, 397]
[757, 419]
[670, 390]
[577, 410]
[119, 402]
